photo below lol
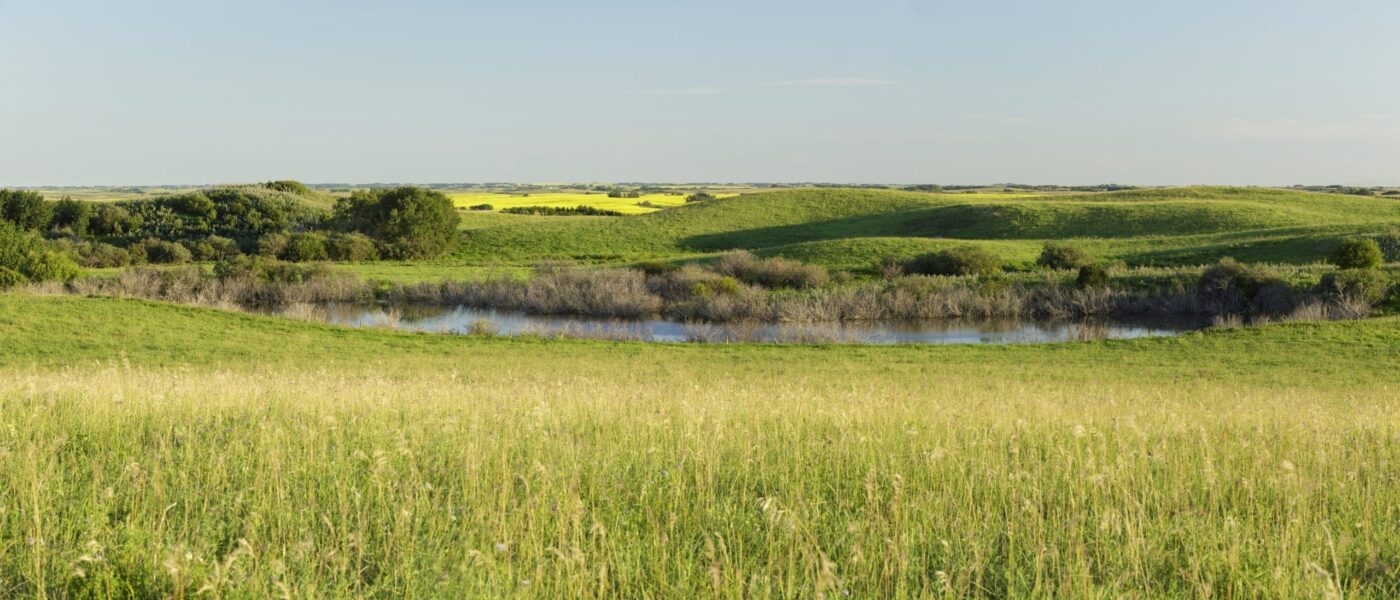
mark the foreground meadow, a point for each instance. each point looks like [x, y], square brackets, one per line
[155, 450]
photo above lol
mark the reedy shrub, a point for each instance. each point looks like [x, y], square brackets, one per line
[775, 272]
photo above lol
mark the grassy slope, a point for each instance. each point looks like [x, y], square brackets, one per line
[154, 450]
[852, 228]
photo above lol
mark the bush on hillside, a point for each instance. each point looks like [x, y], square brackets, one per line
[26, 254]
[1357, 253]
[481, 207]
[407, 222]
[1369, 285]
[1063, 256]
[961, 260]
[699, 197]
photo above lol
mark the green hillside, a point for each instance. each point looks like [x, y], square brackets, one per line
[851, 228]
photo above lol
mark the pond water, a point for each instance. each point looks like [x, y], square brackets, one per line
[472, 320]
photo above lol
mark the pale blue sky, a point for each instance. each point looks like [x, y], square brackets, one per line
[1268, 92]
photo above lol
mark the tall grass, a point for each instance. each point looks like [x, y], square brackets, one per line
[229, 455]
[536, 482]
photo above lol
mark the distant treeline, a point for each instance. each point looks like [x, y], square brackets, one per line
[561, 211]
[274, 220]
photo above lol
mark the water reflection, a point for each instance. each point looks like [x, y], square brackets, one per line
[463, 320]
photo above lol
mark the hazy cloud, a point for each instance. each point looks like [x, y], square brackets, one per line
[1288, 128]
[1002, 119]
[834, 82]
[695, 91]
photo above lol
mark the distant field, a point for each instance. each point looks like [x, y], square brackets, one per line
[631, 206]
[108, 194]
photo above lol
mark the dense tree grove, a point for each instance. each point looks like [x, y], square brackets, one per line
[275, 220]
[407, 222]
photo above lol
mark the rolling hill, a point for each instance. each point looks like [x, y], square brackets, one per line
[848, 228]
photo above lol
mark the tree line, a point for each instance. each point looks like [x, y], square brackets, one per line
[272, 220]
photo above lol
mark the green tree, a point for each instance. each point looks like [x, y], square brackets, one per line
[408, 222]
[26, 209]
[111, 219]
[1358, 253]
[73, 215]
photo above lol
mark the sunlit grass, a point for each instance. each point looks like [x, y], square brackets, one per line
[152, 450]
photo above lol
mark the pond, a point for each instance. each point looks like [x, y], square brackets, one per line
[462, 320]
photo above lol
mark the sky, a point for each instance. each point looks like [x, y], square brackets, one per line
[1252, 92]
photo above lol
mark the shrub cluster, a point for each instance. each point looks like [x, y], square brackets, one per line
[405, 222]
[24, 258]
[1366, 285]
[1063, 257]
[959, 260]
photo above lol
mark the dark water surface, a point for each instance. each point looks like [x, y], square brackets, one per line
[472, 320]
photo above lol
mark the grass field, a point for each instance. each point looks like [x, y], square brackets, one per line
[156, 450]
[852, 229]
[632, 206]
